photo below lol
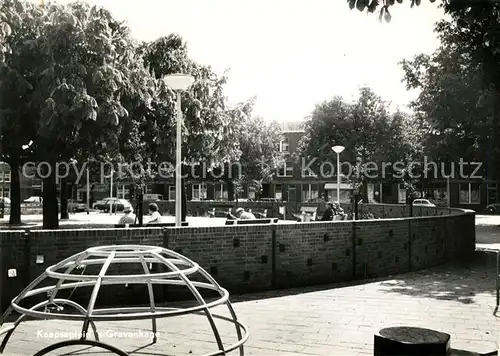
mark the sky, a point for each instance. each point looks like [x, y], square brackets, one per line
[290, 54]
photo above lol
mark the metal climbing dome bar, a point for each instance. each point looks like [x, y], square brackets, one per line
[178, 270]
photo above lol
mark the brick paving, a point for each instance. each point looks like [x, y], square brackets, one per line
[331, 320]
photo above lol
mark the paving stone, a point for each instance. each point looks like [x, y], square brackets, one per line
[330, 321]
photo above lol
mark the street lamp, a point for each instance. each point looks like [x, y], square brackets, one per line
[178, 82]
[338, 150]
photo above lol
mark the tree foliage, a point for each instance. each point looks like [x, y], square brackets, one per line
[74, 64]
[460, 83]
[260, 155]
[78, 86]
[456, 104]
[369, 133]
[384, 6]
[207, 135]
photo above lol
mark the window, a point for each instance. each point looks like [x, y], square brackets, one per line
[6, 192]
[345, 195]
[470, 193]
[492, 193]
[309, 192]
[439, 195]
[291, 193]
[199, 191]
[286, 170]
[284, 147]
[171, 192]
[221, 193]
[37, 183]
[277, 192]
[5, 176]
[122, 191]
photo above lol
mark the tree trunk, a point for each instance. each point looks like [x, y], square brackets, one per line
[409, 199]
[230, 190]
[364, 192]
[50, 214]
[184, 200]
[15, 194]
[140, 206]
[64, 199]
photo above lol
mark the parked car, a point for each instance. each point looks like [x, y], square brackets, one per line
[152, 197]
[97, 203]
[76, 206]
[423, 202]
[33, 200]
[117, 204]
[493, 208]
[5, 201]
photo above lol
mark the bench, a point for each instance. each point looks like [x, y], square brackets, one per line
[218, 213]
[262, 215]
[340, 217]
[184, 223]
[252, 221]
[311, 211]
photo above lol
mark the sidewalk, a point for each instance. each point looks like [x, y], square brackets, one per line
[332, 320]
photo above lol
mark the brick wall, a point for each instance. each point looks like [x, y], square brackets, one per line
[381, 247]
[313, 253]
[13, 256]
[256, 257]
[238, 257]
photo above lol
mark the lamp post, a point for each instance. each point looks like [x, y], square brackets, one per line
[178, 82]
[111, 194]
[338, 150]
[88, 192]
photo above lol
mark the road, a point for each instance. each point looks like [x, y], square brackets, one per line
[488, 231]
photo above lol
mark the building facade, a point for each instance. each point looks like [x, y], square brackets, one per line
[291, 183]
[294, 182]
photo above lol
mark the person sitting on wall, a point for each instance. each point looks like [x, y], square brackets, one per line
[155, 215]
[337, 209]
[244, 215]
[230, 216]
[328, 213]
[128, 217]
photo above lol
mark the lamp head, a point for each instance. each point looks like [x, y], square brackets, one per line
[338, 149]
[179, 81]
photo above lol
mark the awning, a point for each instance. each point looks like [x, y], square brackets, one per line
[333, 186]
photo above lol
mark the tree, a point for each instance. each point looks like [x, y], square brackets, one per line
[260, 155]
[16, 74]
[369, 133]
[455, 107]
[474, 28]
[449, 6]
[76, 63]
[209, 130]
[471, 39]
